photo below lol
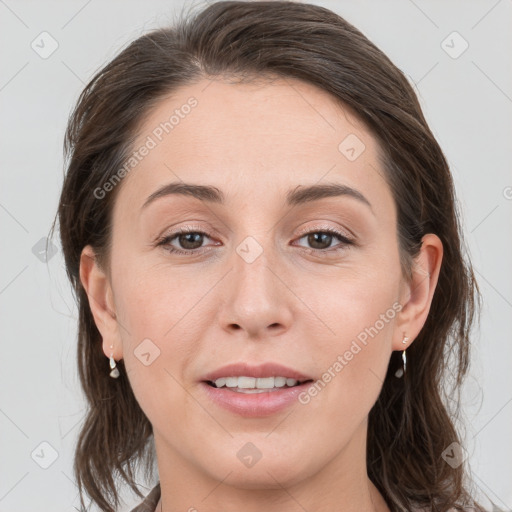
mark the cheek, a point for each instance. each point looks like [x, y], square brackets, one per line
[355, 299]
[158, 314]
[358, 312]
[152, 300]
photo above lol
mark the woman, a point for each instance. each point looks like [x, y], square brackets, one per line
[261, 232]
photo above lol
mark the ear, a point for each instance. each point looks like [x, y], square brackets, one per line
[101, 301]
[416, 295]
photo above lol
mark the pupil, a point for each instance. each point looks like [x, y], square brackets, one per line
[188, 238]
[313, 239]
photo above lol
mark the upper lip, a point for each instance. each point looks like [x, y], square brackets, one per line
[246, 369]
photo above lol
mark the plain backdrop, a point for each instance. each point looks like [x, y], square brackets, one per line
[457, 54]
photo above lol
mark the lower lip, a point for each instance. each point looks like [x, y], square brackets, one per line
[252, 405]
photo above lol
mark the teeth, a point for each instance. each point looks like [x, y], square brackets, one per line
[246, 382]
[255, 383]
[220, 382]
[265, 383]
[231, 382]
[279, 382]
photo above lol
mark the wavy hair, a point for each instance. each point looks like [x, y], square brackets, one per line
[414, 419]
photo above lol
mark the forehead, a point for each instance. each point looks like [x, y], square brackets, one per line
[242, 137]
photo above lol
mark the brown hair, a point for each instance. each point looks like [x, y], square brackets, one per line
[410, 425]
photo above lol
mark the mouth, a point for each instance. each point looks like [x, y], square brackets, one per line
[254, 390]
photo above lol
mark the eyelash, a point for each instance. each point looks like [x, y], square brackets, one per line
[165, 241]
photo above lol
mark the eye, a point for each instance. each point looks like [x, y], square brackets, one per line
[321, 240]
[190, 239]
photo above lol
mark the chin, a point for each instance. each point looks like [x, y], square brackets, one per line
[266, 473]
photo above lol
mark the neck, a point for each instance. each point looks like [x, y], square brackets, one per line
[374, 503]
[342, 484]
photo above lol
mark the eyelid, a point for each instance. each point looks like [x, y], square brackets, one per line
[189, 228]
[325, 227]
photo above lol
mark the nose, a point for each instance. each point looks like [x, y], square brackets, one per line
[255, 301]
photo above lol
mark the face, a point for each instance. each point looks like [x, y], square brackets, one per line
[277, 281]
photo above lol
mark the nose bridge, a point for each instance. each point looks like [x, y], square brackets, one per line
[255, 300]
[254, 282]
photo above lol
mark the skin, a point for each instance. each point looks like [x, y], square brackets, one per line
[255, 142]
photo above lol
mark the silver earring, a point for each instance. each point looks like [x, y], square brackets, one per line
[404, 356]
[401, 371]
[114, 371]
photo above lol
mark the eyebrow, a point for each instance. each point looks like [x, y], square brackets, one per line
[300, 195]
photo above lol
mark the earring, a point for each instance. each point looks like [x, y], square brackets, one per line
[400, 372]
[114, 371]
[404, 356]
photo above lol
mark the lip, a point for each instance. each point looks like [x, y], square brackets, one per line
[268, 369]
[257, 404]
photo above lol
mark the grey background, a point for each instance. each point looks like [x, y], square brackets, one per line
[467, 101]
